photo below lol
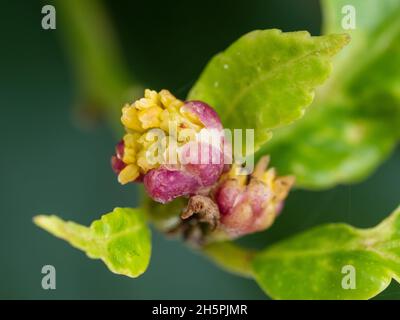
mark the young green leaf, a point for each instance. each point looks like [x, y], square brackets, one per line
[354, 123]
[337, 143]
[266, 79]
[120, 238]
[371, 64]
[334, 261]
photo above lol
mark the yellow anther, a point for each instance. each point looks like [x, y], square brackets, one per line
[144, 140]
[242, 179]
[130, 140]
[149, 141]
[186, 123]
[235, 173]
[155, 110]
[128, 174]
[150, 118]
[144, 104]
[153, 96]
[191, 116]
[175, 118]
[282, 186]
[130, 118]
[176, 105]
[269, 176]
[129, 155]
[131, 146]
[167, 98]
[165, 119]
[147, 161]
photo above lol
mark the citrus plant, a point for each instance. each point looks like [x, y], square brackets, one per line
[325, 110]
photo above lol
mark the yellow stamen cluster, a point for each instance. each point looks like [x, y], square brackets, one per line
[279, 186]
[156, 110]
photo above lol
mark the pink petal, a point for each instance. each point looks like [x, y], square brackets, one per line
[198, 159]
[164, 185]
[205, 113]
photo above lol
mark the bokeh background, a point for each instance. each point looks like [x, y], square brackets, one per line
[50, 163]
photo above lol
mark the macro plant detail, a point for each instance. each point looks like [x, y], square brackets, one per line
[317, 122]
[250, 203]
[173, 161]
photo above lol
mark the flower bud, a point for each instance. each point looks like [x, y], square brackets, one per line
[250, 203]
[174, 147]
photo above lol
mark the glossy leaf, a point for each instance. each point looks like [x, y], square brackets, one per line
[318, 264]
[120, 238]
[371, 64]
[266, 79]
[354, 123]
[335, 144]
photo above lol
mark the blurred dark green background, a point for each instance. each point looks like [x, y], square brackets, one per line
[49, 164]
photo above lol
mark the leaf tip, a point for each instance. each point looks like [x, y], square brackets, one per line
[42, 221]
[340, 40]
[50, 223]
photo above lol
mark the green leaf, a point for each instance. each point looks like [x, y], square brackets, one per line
[120, 238]
[354, 123]
[371, 64]
[312, 265]
[335, 144]
[266, 79]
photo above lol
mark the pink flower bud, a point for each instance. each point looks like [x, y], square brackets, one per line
[207, 115]
[117, 164]
[116, 161]
[251, 203]
[199, 148]
[201, 163]
[164, 185]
